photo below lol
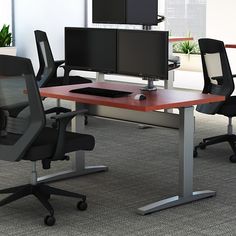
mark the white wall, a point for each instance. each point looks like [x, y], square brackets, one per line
[47, 15]
[221, 20]
[5, 12]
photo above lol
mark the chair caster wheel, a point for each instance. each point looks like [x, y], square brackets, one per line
[202, 145]
[49, 220]
[195, 153]
[232, 158]
[82, 205]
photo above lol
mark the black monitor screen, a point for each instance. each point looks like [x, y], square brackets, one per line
[109, 11]
[91, 49]
[142, 12]
[143, 53]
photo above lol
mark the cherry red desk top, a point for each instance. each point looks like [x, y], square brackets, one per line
[177, 39]
[155, 100]
[230, 45]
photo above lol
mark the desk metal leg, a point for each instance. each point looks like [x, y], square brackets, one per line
[100, 77]
[169, 84]
[186, 193]
[78, 164]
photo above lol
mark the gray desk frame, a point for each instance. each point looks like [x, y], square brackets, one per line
[185, 195]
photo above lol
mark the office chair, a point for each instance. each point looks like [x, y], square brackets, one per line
[26, 137]
[218, 79]
[47, 73]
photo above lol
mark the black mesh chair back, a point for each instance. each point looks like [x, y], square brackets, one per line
[218, 78]
[47, 67]
[17, 86]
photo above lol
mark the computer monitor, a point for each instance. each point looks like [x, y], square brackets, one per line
[143, 53]
[109, 11]
[143, 12]
[91, 49]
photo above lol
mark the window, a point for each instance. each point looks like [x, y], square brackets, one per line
[185, 17]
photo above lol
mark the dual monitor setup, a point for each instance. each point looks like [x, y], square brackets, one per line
[129, 52]
[140, 53]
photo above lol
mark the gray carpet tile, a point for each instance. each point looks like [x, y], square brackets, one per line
[143, 167]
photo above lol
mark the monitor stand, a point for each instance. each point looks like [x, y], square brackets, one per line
[150, 86]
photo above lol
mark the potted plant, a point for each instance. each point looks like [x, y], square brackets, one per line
[6, 41]
[189, 54]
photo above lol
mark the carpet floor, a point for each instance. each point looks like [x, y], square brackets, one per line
[143, 168]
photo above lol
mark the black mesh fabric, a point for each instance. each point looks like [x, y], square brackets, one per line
[45, 144]
[13, 93]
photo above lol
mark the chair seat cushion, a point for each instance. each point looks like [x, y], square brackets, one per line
[44, 145]
[229, 107]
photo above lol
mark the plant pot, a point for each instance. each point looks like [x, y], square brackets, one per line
[190, 62]
[8, 51]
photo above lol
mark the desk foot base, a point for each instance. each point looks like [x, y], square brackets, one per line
[174, 201]
[71, 174]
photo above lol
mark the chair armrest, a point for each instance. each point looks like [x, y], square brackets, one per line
[219, 79]
[59, 62]
[174, 59]
[234, 76]
[63, 119]
[173, 66]
[174, 62]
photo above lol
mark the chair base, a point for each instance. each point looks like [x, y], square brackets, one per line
[230, 138]
[42, 193]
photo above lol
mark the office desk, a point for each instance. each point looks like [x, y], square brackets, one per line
[230, 45]
[179, 39]
[160, 99]
[158, 119]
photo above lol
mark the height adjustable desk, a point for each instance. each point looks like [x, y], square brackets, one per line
[160, 99]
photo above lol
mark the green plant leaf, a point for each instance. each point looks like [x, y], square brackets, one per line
[5, 36]
[186, 47]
